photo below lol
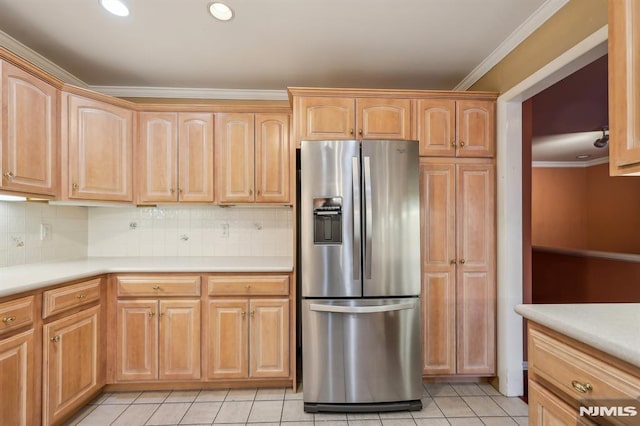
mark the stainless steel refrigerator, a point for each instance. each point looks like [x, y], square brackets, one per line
[360, 275]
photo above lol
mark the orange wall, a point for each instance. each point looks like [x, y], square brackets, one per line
[585, 208]
[558, 207]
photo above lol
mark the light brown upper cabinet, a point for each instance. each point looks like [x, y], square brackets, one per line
[624, 87]
[175, 157]
[99, 138]
[29, 136]
[456, 128]
[325, 117]
[458, 266]
[253, 158]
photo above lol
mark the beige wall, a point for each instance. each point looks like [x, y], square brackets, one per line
[570, 25]
[585, 208]
[558, 207]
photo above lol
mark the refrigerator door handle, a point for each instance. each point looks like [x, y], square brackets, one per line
[368, 217]
[362, 309]
[356, 217]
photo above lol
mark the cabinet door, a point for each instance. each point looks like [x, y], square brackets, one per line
[269, 338]
[196, 157]
[383, 118]
[319, 118]
[29, 136]
[137, 340]
[227, 350]
[438, 267]
[476, 288]
[179, 339]
[436, 127]
[100, 139]
[624, 87]
[545, 409]
[157, 157]
[273, 158]
[235, 157]
[72, 371]
[17, 380]
[475, 122]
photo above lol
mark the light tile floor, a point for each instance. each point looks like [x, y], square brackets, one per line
[444, 404]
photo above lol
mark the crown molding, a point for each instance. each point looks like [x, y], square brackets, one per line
[191, 93]
[30, 55]
[574, 164]
[539, 17]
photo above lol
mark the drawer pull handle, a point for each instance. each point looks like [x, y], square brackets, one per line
[55, 339]
[8, 320]
[156, 287]
[580, 387]
[247, 287]
[81, 296]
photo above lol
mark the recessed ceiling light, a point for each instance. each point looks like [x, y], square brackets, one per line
[583, 156]
[220, 11]
[117, 7]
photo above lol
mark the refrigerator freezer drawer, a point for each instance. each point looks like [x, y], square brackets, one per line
[361, 351]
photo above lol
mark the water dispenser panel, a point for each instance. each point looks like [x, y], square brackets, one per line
[327, 220]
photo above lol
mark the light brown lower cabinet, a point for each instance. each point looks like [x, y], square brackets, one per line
[248, 338]
[158, 340]
[565, 374]
[72, 369]
[17, 380]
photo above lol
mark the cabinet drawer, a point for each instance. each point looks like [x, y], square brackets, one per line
[277, 285]
[547, 409]
[16, 313]
[71, 296]
[158, 286]
[571, 370]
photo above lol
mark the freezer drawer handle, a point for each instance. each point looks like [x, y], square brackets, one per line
[361, 309]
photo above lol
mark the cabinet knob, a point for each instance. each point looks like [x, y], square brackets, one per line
[582, 388]
[453, 261]
[462, 261]
[156, 288]
[243, 314]
[81, 296]
[351, 131]
[8, 175]
[171, 190]
[461, 144]
[453, 144]
[74, 186]
[247, 287]
[8, 320]
[179, 191]
[55, 339]
[252, 313]
[151, 313]
[360, 132]
[161, 314]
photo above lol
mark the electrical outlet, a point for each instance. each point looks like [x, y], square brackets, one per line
[46, 232]
[225, 230]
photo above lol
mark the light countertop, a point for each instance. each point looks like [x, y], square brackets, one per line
[16, 279]
[613, 328]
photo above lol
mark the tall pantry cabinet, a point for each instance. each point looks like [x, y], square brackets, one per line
[458, 235]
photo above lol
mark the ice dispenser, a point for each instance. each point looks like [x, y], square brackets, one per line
[327, 220]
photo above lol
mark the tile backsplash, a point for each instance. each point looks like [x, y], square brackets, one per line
[21, 240]
[190, 231]
[75, 232]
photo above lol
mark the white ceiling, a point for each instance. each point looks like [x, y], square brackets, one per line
[272, 44]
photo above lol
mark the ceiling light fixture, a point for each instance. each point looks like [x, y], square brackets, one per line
[583, 156]
[117, 7]
[220, 11]
[604, 140]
